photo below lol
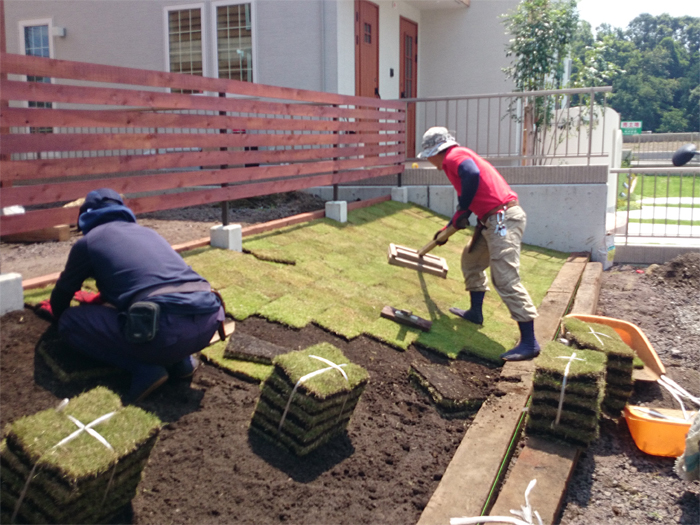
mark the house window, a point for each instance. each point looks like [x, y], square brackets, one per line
[234, 42]
[37, 43]
[185, 51]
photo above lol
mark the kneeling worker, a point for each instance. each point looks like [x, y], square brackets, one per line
[153, 311]
[500, 225]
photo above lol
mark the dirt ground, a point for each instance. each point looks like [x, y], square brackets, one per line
[206, 468]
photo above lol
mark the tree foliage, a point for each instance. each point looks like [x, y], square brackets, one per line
[542, 31]
[653, 65]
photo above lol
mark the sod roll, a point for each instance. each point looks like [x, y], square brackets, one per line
[620, 362]
[308, 399]
[568, 387]
[55, 470]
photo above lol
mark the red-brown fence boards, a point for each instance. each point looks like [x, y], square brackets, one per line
[139, 133]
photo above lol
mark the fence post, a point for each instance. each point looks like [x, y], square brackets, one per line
[224, 204]
[591, 116]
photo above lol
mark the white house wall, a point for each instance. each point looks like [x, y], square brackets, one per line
[345, 30]
[294, 41]
[462, 51]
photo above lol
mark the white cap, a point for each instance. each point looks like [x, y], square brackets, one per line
[435, 140]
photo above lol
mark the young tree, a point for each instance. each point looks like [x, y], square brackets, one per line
[541, 31]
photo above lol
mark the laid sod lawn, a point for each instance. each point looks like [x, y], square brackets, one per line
[337, 276]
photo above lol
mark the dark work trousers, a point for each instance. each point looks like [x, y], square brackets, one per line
[96, 332]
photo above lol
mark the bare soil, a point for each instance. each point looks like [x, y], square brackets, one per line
[206, 468]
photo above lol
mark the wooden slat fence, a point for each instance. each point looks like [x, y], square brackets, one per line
[168, 140]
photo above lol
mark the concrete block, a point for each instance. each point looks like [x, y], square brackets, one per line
[418, 195]
[337, 210]
[228, 237]
[443, 200]
[11, 294]
[399, 194]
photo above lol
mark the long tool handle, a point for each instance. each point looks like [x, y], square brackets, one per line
[442, 236]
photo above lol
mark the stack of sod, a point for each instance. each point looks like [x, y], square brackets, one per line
[620, 365]
[302, 407]
[79, 480]
[585, 385]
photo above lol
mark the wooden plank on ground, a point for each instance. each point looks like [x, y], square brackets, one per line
[586, 301]
[551, 464]
[465, 487]
[467, 482]
[52, 233]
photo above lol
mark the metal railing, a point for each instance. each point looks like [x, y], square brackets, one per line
[656, 149]
[520, 128]
[657, 204]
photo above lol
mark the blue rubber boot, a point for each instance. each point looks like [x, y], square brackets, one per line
[527, 348]
[144, 380]
[474, 314]
[184, 369]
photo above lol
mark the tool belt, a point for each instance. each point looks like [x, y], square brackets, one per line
[500, 207]
[143, 317]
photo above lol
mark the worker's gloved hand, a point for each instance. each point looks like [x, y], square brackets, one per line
[437, 234]
[460, 219]
[84, 297]
[43, 310]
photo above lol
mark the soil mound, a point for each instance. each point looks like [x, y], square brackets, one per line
[683, 271]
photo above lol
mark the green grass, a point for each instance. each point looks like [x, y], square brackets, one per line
[674, 222]
[340, 280]
[247, 370]
[656, 186]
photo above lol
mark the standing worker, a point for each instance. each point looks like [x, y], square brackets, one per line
[152, 311]
[497, 238]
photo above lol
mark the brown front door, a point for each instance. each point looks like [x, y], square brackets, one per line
[408, 75]
[366, 49]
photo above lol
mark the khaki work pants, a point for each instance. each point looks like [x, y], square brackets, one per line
[502, 254]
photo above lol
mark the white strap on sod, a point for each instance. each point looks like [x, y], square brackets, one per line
[571, 359]
[308, 376]
[525, 514]
[596, 334]
[670, 385]
[81, 428]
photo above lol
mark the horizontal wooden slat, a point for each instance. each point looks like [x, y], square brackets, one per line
[263, 188]
[55, 142]
[34, 220]
[120, 118]
[27, 170]
[104, 96]
[37, 66]
[68, 191]
[365, 137]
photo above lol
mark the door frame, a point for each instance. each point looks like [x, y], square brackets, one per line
[358, 36]
[411, 107]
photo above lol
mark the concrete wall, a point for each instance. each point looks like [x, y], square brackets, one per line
[565, 205]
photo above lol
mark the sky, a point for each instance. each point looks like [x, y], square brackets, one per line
[619, 13]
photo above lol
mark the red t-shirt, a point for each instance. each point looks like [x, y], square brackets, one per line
[492, 191]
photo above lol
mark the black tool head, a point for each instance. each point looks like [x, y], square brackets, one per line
[684, 154]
